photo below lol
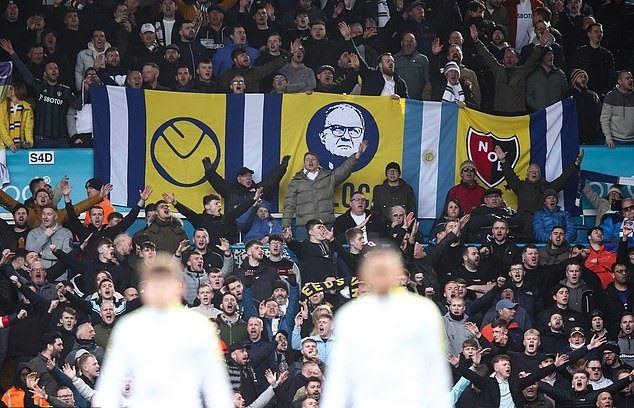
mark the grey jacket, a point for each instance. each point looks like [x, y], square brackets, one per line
[617, 116]
[313, 199]
[456, 333]
[39, 242]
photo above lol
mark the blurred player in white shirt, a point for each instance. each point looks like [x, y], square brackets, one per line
[171, 355]
[390, 349]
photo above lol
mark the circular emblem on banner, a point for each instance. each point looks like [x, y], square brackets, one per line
[178, 147]
[429, 156]
[336, 131]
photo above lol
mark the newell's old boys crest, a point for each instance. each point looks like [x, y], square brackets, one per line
[481, 149]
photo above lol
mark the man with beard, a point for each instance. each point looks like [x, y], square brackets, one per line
[52, 97]
[52, 346]
[169, 65]
[261, 351]
[581, 391]
[588, 107]
[454, 54]
[14, 236]
[500, 252]
[254, 268]
[223, 59]
[219, 258]
[382, 80]
[556, 249]
[190, 50]
[112, 73]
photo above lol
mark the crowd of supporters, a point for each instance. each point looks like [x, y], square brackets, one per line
[533, 317]
[503, 57]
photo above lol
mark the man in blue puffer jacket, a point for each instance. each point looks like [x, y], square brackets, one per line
[552, 216]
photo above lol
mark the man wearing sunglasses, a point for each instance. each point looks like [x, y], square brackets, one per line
[468, 193]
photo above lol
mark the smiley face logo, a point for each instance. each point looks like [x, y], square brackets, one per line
[178, 147]
[336, 131]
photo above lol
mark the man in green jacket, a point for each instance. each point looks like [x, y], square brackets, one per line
[311, 190]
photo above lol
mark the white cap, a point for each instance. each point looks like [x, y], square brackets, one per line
[147, 27]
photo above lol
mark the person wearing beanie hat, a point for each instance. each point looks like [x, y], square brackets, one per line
[550, 216]
[468, 193]
[453, 88]
[547, 84]
[393, 191]
[603, 205]
[261, 224]
[93, 188]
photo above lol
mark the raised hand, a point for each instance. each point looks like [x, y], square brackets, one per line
[14, 279]
[597, 342]
[362, 148]
[105, 190]
[364, 222]
[66, 187]
[472, 328]
[500, 153]
[464, 221]
[283, 377]
[561, 359]
[270, 376]
[477, 357]
[69, 371]
[329, 234]
[579, 158]
[409, 220]
[31, 380]
[145, 193]
[473, 31]
[6, 255]
[453, 360]
[295, 45]
[258, 194]
[52, 247]
[287, 234]
[169, 198]
[299, 319]
[7, 46]
[224, 246]
[182, 246]
[344, 30]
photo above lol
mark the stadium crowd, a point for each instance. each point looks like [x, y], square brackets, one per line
[535, 316]
[503, 57]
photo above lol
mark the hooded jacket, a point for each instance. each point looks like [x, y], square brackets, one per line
[456, 333]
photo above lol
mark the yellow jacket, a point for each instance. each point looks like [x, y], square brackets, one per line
[18, 124]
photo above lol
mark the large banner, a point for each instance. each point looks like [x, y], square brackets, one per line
[161, 138]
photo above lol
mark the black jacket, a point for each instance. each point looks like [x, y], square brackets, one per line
[236, 193]
[373, 82]
[587, 398]
[345, 221]
[385, 197]
[491, 389]
[218, 226]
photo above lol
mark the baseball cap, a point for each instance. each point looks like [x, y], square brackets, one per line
[416, 4]
[95, 183]
[239, 345]
[578, 330]
[505, 304]
[173, 47]
[550, 192]
[326, 68]
[147, 27]
[215, 7]
[546, 356]
[493, 191]
[244, 170]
